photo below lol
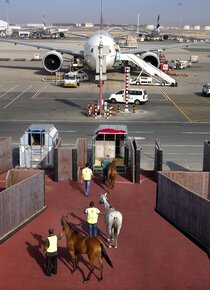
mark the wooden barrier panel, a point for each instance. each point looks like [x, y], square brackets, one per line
[5, 154]
[82, 148]
[197, 182]
[180, 203]
[22, 201]
[132, 158]
[158, 158]
[15, 176]
[206, 156]
[137, 148]
[63, 163]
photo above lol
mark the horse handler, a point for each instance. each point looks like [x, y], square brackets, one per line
[92, 219]
[51, 248]
[105, 164]
[87, 174]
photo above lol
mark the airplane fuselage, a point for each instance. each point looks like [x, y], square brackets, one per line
[91, 49]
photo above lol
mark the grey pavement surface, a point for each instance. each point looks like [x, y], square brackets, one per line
[179, 117]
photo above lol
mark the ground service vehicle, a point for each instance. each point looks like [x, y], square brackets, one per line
[206, 89]
[135, 96]
[141, 80]
[71, 80]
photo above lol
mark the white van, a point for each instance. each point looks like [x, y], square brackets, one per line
[135, 96]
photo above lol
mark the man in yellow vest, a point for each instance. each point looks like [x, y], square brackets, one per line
[51, 248]
[92, 219]
[87, 174]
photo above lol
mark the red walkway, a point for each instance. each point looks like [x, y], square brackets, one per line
[151, 254]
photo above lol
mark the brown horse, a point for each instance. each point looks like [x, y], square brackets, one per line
[111, 175]
[78, 244]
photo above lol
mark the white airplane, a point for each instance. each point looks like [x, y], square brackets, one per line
[53, 59]
[153, 34]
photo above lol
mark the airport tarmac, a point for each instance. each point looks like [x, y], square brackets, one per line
[179, 116]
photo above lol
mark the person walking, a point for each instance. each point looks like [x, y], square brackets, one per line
[92, 219]
[105, 164]
[87, 174]
[51, 248]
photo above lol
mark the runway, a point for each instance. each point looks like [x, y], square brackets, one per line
[179, 117]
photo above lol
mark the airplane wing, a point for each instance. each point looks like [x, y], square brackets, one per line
[161, 47]
[46, 46]
[79, 35]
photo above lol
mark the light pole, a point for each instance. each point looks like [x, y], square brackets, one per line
[127, 77]
[137, 23]
[100, 48]
[7, 6]
[180, 4]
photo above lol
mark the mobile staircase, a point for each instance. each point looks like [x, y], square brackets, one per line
[149, 69]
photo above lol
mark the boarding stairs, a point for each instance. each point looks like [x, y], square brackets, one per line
[148, 68]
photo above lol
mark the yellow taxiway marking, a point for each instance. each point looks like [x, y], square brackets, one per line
[178, 108]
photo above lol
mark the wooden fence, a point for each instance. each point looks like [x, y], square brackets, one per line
[183, 199]
[5, 154]
[22, 200]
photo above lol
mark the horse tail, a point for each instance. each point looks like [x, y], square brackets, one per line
[104, 255]
[115, 226]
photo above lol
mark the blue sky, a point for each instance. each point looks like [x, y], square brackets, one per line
[193, 12]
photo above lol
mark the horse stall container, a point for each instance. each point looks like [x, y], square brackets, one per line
[37, 146]
[111, 140]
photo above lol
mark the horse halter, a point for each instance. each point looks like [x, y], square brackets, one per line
[102, 197]
[63, 218]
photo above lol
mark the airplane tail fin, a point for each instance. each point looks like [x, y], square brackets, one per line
[101, 20]
[158, 21]
[44, 21]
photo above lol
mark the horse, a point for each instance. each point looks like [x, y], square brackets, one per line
[78, 244]
[111, 174]
[113, 221]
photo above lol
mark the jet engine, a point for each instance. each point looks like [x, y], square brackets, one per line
[164, 37]
[151, 58]
[61, 34]
[52, 61]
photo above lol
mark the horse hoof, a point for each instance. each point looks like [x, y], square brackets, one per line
[115, 247]
[108, 240]
[110, 246]
[85, 281]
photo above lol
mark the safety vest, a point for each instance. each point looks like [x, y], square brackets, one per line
[53, 241]
[92, 216]
[87, 172]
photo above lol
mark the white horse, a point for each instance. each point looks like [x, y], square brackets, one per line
[113, 221]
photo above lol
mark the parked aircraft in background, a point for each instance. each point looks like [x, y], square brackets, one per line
[45, 32]
[154, 34]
